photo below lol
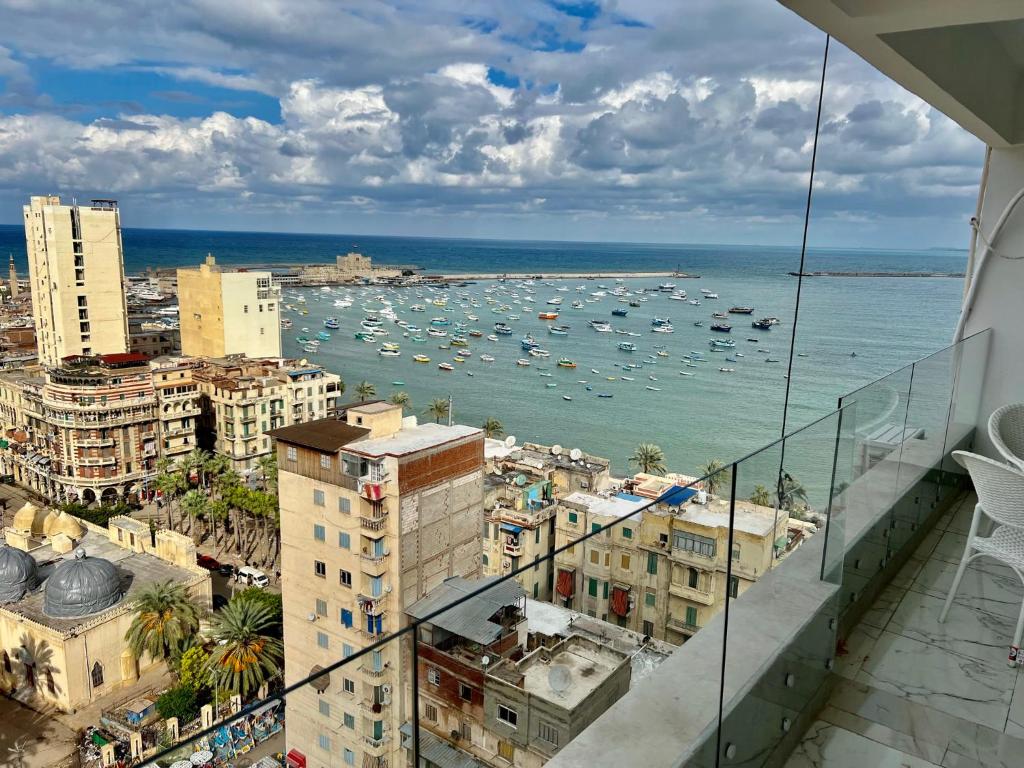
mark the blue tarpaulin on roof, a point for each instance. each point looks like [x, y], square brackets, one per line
[629, 497]
[511, 528]
[677, 495]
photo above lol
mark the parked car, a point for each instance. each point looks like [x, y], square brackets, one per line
[254, 577]
[209, 563]
[219, 601]
[226, 569]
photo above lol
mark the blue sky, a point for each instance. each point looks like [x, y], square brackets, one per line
[541, 118]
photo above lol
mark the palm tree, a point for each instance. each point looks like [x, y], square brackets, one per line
[268, 469]
[713, 475]
[790, 492]
[438, 408]
[196, 504]
[761, 496]
[164, 617]
[649, 458]
[493, 428]
[400, 398]
[246, 653]
[169, 481]
[196, 461]
[365, 391]
[218, 513]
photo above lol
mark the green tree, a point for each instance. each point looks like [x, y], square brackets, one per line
[365, 391]
[267, 465]
[272, 600]
[247, 653]
[192, 670]
[181, 702]
[649, 459]
[196, 504]
[169, 482]
[761, 496]
[438, 408]
[164, 616]
[218, 512]
[401, 398]
[196, 461]
[493, 428]
[714, 476]
[792, 494]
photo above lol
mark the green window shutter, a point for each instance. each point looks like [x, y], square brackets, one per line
[573, 517]
[605, 589]
[592, 587]
[691, 616]
[650, 598]
[627, 533]
[652, 563]
[595, 527]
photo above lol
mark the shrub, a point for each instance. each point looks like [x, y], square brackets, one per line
[180, 702]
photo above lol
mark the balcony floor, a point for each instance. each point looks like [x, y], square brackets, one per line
[917, 693]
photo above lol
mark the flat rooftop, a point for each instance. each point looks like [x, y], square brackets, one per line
[325, 435]
[612, 506]
[585, 667]
[411, 440]
[750, 518]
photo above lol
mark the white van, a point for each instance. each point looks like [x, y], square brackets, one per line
[252, 576]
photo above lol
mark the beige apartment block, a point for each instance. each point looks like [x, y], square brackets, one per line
[179, 404]
[376, 511]
[228, 312]
[76, 275]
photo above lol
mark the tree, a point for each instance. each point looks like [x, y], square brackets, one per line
[791, 491]
[438, 408]
[218, 512]
[196, 504]
[268, 471]
[713, 475]
[192, 670]
[649, 458]
[493, 428]
[164, 616]
[272, 600]
[246, 654]
[761, 496]
[365, 391]
[400, 398]
[169, 482]
[181, 702]
[196, 461]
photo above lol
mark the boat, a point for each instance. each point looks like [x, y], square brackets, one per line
[311, 348]
[720, 315]
[555, 301]
[771, 360]
[567, 397]
[545, 374]
[323, 336]
[663, 329]
[652, 377]
[286, 323]
[522, 362]
[420, 359]
[721, 327]
[388, 352]
[699, 323]
[528, 342]
[577, 304]
[655, 321]
[502, 329]
[731, 360]
[398, 383]
[476, 334]
[694, 302]
[564, 362]
[551, 385]
[634, 304]
[446, 366]
[436, 332]
[365, 336]
[558, 330]
[594, 370]
[487, 358]
[741, 310]
[727, 370]
[459, 359]
[492, 337]
[459, 341]
[620, 312]
[627, 346]
[547, 315]
[440, 322]
[667, 287]
[685, 373]
[389, 345]
[654, 389]
[662, 353]
[722, 343]
[601, 326]
[538, 352]
[605, 394]
[417, 308]
[332, 323]
[764, 324]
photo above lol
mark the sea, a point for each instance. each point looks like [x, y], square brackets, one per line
[851, 331]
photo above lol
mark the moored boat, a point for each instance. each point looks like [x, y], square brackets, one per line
[420, 359]
[564, 362]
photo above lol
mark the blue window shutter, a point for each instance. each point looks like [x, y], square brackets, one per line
[346, 617]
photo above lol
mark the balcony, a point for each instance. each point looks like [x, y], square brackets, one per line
[96, 442]
[373, 565]
[513, 548]
[96, 461]
[375, 524]
[682, 626]
[370, 605]
[694, 594]
[376, 746]
[371, 708]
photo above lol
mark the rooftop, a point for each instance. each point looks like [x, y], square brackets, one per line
[413, 439]
[472, 618]
[749, 517]
[586, 666]
[324, 435]
[611, 506]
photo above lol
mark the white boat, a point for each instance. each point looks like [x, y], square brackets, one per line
[522, 362]
[654, 389]
[388, 352]
[727, 370]
[446, 366]
[627, 378]
[685, 373]
[487, 358]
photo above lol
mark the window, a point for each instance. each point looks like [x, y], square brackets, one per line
[624, 562]
[506, 750]
[345, 578]
[350, 757]
[573, 518]
[321, 607]
[346, 618]
[734, 586]
[595, 527]
[350, 721]
[652, 563]
[735, 551]
[346, 650]
[692, 578]
[508, 715]
[650, 597]
[430, 712]
[318, 498]
[691, 542]
[485, 561]
[547, 732]
[648, 628]
[245, 308]
[325, 461]
[595, 557]
[344, 505]
[97, 675]
[536, 535]
[627, 533]
[467, 731]
[433, 676]
[320, 568]
[325, 742]
[325, 708]
[319, 533]
[592, 587]
[378, 661]
[605, 594]
[349, 685]
[322, 640]
[691, 616]
[344, 540]
[465, 692]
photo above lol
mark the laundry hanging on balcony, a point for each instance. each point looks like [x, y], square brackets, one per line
[620, 601]
[565, 585]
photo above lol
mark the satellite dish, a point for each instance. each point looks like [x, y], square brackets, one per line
[520, 480]
[559, 679]
[575, 454]
[485, 660]
[556, 450]
[497, 471]
[510, 441]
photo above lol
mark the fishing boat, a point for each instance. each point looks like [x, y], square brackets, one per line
[547, 315]
[727, 370]
[741, 310]
[487, 358]
[654, 389]
[567, 397]
[365, 336]
[555, 301]
[389, 345]
[678, 296]
[538, 352]
[417, 308]
[522, 362]
[667, 287]
[332, 323]
[528, 342]
[459, 341]
[594, 370]
[558, 330]
[446, 366]
[652, 377]
[551, 385]
[722, 343]
[699, 323]
[420, 359]
[492, 337]
[685, 373]
[459, 359]
[418, 339]
[661, 321]
[502, 329]
[601, 326]
[722, 328]
[627, 378]
[286, 323]
[663, 329]
[694, 302]
[476, 334]
[771, 360]
[619, 312]
[662, 353]
[436, 332]
[440, 322]
[311, 348]
[577, 304]
[323, 336]
[564, 362]
[731, 360]
[764, 324]
[627, 346]
[388, 352]
[720, 315]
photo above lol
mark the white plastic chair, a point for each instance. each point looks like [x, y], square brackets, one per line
[1006, 431]
[1000, 492]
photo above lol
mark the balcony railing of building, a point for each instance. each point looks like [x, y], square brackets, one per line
[755, 673]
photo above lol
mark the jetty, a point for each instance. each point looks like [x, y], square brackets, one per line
[877, 274]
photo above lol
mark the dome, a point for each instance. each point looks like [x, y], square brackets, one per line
[17, 574]
[29, 519]
[81, 586]
[50, 522]
[67, 525]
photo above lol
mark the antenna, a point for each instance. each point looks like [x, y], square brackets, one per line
[575, 454]
[559, 679]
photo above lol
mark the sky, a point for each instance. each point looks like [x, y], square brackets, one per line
[649, 120]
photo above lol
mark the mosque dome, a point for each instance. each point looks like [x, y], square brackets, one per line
[29, 519]
[51, 520]
[81, 586]
[67, 525]
[17, 574]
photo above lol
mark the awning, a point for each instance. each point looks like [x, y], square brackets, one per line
[295, 759]
[267, 707]
[677, 495]
[565, 585]
[511, 528]
[620, 601]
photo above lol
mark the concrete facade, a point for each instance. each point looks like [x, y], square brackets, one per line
[76, 275]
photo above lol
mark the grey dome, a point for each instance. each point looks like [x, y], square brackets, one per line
[81, 586]
[17, 574]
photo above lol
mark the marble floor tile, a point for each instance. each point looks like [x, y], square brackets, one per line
[907, 573]
[926, 547]
[828, 746]
[926, 750]
[985, 746]
[950, 547]
[881, 611]
[961, 520]
[948, 682]
[858, 647]
[967, 630]
[987, 585]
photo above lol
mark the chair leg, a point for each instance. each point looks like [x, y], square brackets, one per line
[963, 563]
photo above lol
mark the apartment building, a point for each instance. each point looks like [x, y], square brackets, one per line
[376, 510]
[567, 469]
[228, 312]
[179, 404]
[491, 692]
[663, 571]
[76, 276]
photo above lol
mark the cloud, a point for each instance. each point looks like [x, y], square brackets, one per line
[567, 114]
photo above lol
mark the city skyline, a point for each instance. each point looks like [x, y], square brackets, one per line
[574, 121]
